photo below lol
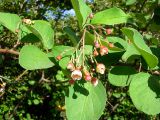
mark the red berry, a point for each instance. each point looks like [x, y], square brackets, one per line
[111, 45]
[91, 15]
[71, 82]
[96, 44]
[108, 31]
[70, 66]
[94, 81]
[87, 77]
[103, 50]
[59, 57]
[17, 30]
[95, 53]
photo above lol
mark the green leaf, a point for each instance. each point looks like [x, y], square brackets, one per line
[32, 82]
[131, 53]
[145, 93]
[71, 35]
[61, 50]
[32, 58]
[43, 30]
[130, 2]
[10, 21]
[60, 76]
[25, 35]
[156, 51]
[110, 59]
[118, 42]
[121, 75]
[88, 49]
[36, 101]
[85, 102]
[110, 17]
[64, 62]
[137, 39]
[82, 11]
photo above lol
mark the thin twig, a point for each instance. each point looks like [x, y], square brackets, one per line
[16, 45]
[83, 43]
[19, 77]
[115, 107]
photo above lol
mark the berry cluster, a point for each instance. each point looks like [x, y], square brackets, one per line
[88, 71]
[78, 73]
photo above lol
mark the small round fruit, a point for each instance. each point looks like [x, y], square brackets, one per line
[94, 81]
[59, 57]
[87, 77]
[108, 31]
[71, 82]
[103, 50]
[91, 15]
[76, 75]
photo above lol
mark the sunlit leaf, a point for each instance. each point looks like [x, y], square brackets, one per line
[85, 102]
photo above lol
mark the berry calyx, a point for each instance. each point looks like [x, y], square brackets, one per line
[76, 75]
[100, 68]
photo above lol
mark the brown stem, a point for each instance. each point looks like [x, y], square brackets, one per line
[83, 42]
[21, 75]
[5, 51]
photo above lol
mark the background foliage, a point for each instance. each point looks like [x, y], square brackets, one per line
[39, 94]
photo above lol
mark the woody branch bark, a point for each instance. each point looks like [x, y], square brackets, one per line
[10, 51]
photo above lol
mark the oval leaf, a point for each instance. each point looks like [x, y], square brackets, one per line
[43, 31]
[137, 39]
[32, 58]
[110, 17]
[61, 50]
[10, 21]
[131, 53]
[145, 92]
[121, 75]
[71, 35]
[85, 103]
[82, 11]
[64, 62]
[25, 35]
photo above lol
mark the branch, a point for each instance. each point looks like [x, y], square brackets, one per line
[5, 51]
[21, 75]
